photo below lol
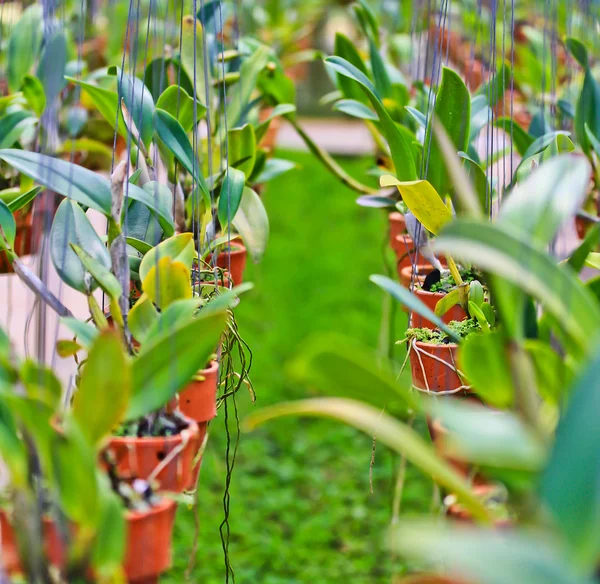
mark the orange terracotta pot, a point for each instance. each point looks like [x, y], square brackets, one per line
[430, 299]
[416, 276]
[137, 458]
[53, 545]
[406, 255]
[234, 261]
[439, 436]
[198, 401]
[582, 225]
[430, 579]
[434, 366]
[397, 226]
[149, 534]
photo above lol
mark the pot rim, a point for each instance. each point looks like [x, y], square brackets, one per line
[447, 346]
[158, 440]
[237, 248]
[213, 367]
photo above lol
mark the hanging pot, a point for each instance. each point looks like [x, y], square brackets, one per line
[139, 458]
[198, 401]
[234, 260]
[149, 533]
[430, 299]
[434, 367]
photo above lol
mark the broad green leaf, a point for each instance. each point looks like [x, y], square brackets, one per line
[356, 109]
[107, 102]
[580, 255]
[242, 148]
[169, 130]
[33, 92]
[12, 447]
[521, 139]
[168, 364]
[239, 96]
[345, 49]
[273, 168]
[141, 318]
[78, 183]
[578, 50]
[408, 299]
[166, 282]
[419, 117]
[71, 225]
[486, 556]
[341, 367]
[51, 68]
[381, 78]
[8, 226]
[102, 394]
[110, 541]
[447, 302]
[375, 422]
[483, 360]
[554, 375]
[102, 275]
[12, 126]
[587, 111]
[571, 482]
[231, 195]
[138, 245]
[98, 149]
[487, 437]
[400, 151]
[23, 45]
[423, 201]
[179, 248]
[549, 197]
[543, 142]
[452, 110]
[176, 314]
[41, 383]
[512, 257]
[593, 260]
[252, 223]
[480, 183]
[176, 101]
[282, 109]
[25, 199]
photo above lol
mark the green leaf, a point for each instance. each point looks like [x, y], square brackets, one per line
[159, 200]
[511, 256]
[382, 80]
[41, 384]
[447, 302]
[550, 196]
[176, 314]
[51, 68]
[102, 275]
[12, 126]
[102, 394]
[139, 103]
[239, 95]
[495, 88]
[242, 148]
[179, 248]
[345, 49]
[107, 102]
[341, 367]
[273, 168]
[375, 422]
[33, 92]
[578, 50]
[488, 557]
[23, 45]
[452, 110]
[588, 110]
[400, 150]
[176, 101]
[141, 318]
[521, 139]
[169, 130]
[110, 541]
[356, 109]
[8, 226]
[409, 300]
[167, 365]
[231, 195]
[423, 201]
[166, 282]
[71, 225]
[571, 482]
[483, 360]
[282, 109]
[138, 245]
[78, 183]
[252, 223]
[554, 374]
[417, 116]
[192, 57]
[480, 182]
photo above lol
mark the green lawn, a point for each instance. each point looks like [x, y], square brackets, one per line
[301, 506]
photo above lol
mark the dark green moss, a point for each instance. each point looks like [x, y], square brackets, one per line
[462, 328]
[446, 283]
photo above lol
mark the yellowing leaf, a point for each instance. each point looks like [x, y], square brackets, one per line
[167, 281]
[423, 202]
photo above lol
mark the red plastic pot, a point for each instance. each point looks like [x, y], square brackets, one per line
[149, 533]
[430, 299]
[138, 458]
[198, 401]
[434, 367]
[234, 261]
